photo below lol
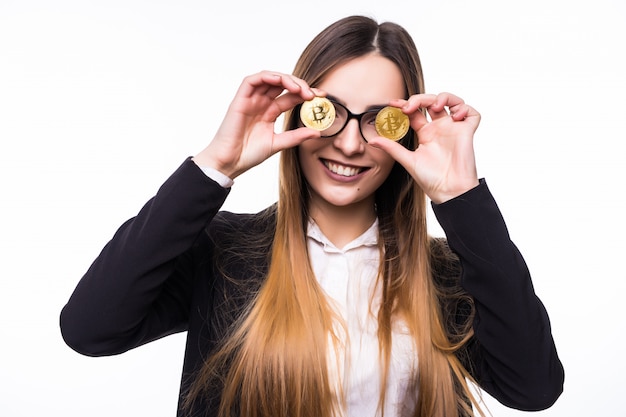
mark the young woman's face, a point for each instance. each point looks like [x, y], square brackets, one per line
[344, 170]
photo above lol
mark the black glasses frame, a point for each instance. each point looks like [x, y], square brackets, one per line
[358, 117]
[351, 116]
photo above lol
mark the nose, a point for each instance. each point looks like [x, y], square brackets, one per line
[349, 141]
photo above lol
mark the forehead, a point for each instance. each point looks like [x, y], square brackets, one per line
[365, 81]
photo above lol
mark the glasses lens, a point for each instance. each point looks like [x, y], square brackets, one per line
[368, 125]
[388, 122]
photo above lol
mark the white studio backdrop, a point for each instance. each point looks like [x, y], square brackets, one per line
[101, 101]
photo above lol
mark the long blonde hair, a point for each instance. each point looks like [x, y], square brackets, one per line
[274, 362]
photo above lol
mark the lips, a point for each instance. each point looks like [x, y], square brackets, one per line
[343, 170]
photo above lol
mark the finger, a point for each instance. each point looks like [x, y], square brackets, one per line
[288, 101]
[459, 112]
[456, 106]
[419, 101]
[318, 92]
[444, 100]
[412, 109]
[283, 103]
[297, 86]
[398, 152]
[436, 112]
[273, 84]
[291, 138]
[463, 111]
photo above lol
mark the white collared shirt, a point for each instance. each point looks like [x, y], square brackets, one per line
[348, 277]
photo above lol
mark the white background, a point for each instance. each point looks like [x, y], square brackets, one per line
[101, 101]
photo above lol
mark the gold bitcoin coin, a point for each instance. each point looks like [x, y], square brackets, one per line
[392, 123]
[318, 113]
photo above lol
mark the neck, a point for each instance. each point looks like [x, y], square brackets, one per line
[342, 224]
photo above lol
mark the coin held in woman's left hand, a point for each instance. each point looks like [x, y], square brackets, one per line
[392, 123]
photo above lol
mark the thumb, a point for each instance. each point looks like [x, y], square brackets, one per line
[398, 152]
[295, 137]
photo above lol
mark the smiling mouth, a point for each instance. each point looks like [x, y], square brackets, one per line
[343, 170]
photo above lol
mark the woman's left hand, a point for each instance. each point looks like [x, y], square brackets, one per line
[443, 165]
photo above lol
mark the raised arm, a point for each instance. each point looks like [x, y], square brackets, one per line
[513, 355]
[138, 288]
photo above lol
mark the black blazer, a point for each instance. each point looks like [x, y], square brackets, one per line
[182, 265]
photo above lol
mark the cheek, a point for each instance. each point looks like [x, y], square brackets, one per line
[385, 162]
[384, 170]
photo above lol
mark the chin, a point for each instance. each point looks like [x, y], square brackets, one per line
[343, 201]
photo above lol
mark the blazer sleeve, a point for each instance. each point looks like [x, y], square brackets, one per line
[513, 354]
[139, 288]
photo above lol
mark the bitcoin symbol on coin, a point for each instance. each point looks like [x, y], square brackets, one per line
[318, 113]
[392, 123]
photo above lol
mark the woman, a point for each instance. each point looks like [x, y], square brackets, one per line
[335, 301]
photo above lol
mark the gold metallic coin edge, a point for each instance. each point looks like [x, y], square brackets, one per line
[329, 118]
[405, 123]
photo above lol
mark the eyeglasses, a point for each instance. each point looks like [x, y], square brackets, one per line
[367, 122]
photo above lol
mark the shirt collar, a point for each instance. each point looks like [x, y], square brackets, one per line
[367, 238]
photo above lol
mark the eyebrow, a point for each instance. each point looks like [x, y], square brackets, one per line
[369, 108]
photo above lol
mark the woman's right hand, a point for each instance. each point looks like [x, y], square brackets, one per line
[247, 134]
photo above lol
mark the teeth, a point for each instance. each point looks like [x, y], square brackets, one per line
[342, 170]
